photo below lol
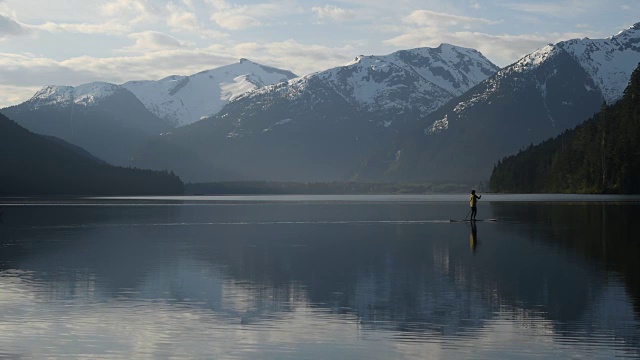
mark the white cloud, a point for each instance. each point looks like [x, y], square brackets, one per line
[554, 9]
[11, 27]
[239, 17]
[425, 28]
[111, 28]
[11, 94]
[30, 70]
[504, 49]
[181, 20]
[436, 19]
[501, 49]
[123, 16]
[26, 71]
[231, 21]
[292, 55]
[332, 12]
[154, 41]
[134, 11]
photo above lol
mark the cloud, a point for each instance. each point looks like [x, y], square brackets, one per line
[331, 12]
[134, 11]
[154, 41]
[24, 72]
[554, 9]
[292, 55]
[181, 20]
[239, 17]
[436, 19]
[230, 21]
[289, 54]
[11, 95]
[110, 28]
[30, 70]
[504, 49]
[123, 16]
[11, 27]
[425, 28]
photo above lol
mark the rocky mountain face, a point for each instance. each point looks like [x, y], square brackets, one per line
[324, 125]
[541, 95]
[105, 119]
[182, 100]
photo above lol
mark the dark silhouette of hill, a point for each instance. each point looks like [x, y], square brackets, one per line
[36, 165]
[602, 155]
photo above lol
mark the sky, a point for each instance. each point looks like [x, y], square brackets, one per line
[72, 42]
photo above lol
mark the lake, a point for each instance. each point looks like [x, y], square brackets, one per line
[320, 277]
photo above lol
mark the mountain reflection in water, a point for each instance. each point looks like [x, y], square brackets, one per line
[319, 280]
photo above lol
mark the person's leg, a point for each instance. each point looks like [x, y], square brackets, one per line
[474, 210]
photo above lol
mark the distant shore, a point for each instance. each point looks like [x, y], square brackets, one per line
[320, 188]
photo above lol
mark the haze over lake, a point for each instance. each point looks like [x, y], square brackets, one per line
[320, 277]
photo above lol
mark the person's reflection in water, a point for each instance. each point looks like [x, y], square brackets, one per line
[473, 238]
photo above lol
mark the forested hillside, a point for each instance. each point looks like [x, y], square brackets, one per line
[601, 155]
[32, 164]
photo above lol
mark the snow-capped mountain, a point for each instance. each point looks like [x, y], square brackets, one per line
[111, 121]
[321, 126]
[609, 62]
[105, 119]
[84, 95]
[544, 93]
[420, 80]
[183, 100]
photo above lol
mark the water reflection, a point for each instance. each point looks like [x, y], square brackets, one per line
[119, 281]
[473, 237]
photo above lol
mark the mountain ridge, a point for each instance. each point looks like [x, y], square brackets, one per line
[183, 100]
[105, 119]
[322, 125]
[536, 97]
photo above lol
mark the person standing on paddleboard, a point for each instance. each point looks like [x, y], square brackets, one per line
[473, 201]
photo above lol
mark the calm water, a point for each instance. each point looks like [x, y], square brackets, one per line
[310, 277]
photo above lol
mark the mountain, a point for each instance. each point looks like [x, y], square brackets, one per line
[111, 121]
[182, 100]
[105, 119]
[600, 155]
[32, 165]
[544, 93]
[321, 126]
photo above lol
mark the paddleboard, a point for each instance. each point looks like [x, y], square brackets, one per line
[477, 220]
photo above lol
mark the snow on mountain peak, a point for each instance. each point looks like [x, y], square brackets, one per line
[453, 68]
[186, 99]
[419, 80]
[354, 61]
[85, 95]
[610, 61]
[531, 61]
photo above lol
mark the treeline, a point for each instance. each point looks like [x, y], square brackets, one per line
[601, 155]
[35, 165]
[319, 188]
